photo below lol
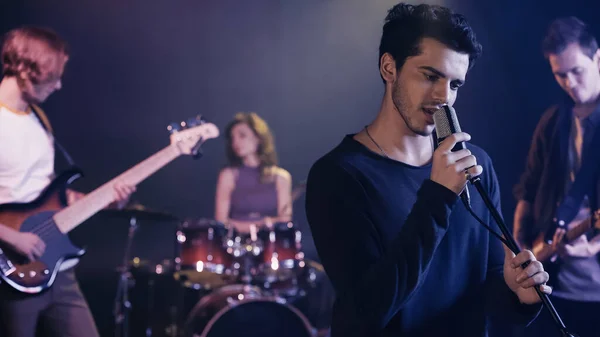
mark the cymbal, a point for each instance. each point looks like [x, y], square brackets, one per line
[138, 212]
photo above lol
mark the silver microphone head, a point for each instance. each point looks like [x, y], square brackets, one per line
[446, 122]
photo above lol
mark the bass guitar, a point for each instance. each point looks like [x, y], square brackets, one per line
[49, 216]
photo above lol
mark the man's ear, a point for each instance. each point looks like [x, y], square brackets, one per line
[387, 68]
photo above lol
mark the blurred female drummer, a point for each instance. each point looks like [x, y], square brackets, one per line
[251, 188]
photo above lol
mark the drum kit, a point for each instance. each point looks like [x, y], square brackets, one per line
[222, 282]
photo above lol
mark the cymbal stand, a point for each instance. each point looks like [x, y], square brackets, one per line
[122, 306]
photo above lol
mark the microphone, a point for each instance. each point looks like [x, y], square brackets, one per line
[446, 123]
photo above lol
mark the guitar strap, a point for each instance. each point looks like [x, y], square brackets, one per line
[39, 113]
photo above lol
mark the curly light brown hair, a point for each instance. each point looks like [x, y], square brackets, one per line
[33, 51]
[266, 148]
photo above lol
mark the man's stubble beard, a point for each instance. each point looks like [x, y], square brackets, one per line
[398, 99]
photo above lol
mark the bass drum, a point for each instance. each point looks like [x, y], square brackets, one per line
[241, 310]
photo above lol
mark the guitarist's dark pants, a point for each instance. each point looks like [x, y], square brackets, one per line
[60, 311]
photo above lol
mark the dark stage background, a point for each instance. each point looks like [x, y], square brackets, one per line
[308, 67]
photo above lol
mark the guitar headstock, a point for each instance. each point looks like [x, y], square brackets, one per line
[189, 135]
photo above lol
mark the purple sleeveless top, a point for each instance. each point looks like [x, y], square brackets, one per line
[251, 199]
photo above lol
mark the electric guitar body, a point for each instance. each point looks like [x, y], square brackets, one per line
[36, 217]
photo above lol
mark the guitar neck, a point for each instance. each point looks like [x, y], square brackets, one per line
[73, 215]
[579, 230]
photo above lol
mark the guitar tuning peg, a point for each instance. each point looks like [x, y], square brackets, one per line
[173, 127]
[195, 121]
[192, 122]
[183, 125]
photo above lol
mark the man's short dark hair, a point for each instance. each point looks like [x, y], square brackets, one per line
[567, 30]
[406, 25]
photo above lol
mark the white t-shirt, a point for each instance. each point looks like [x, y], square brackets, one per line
[26, 156]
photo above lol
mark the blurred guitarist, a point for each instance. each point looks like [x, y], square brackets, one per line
[33, 60]
[561, 143]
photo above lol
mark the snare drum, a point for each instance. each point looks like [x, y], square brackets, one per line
[203, 260]
[241, 310]
[281, 255]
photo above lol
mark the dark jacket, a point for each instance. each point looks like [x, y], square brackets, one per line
[543, 184]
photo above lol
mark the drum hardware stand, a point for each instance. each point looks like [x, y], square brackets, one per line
[248, 256]
[246, 268]
[122, 305]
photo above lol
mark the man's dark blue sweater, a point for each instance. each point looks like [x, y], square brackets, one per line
[404, 258]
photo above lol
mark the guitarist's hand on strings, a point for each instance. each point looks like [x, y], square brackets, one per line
[29, 245]
[73, 196]
[123, 193]
[557, 243]
[580, 246]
